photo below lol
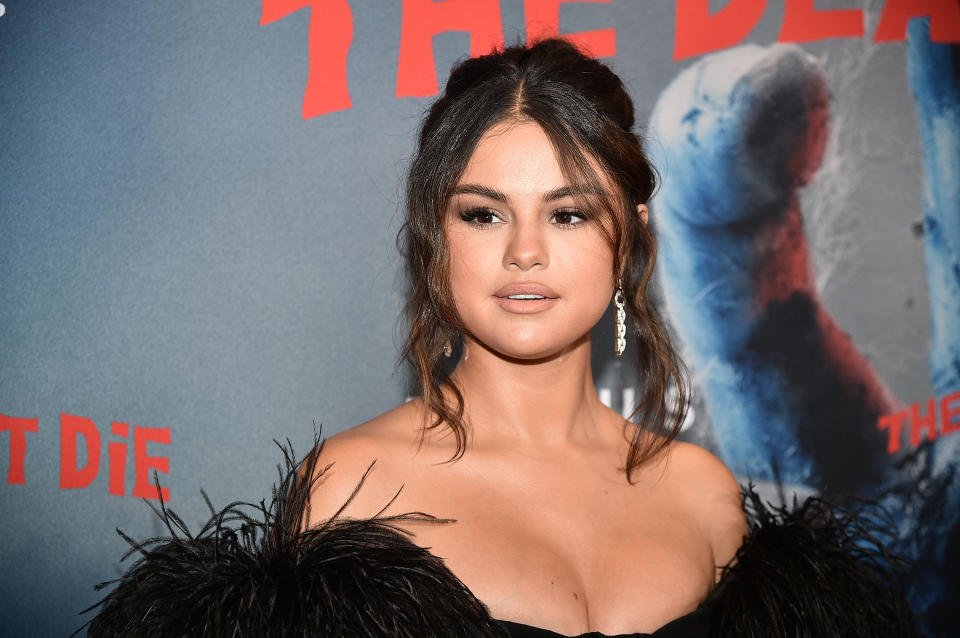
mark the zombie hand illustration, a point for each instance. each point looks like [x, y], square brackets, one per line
[790, 398]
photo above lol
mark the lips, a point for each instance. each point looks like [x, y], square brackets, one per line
[526, 291]
[526, 298]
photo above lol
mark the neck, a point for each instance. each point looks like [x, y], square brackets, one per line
[547, 404]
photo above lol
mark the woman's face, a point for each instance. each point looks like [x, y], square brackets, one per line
[530, 276]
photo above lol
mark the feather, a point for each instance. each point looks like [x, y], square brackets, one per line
[251, 571]
[814, 569]
[810, 569]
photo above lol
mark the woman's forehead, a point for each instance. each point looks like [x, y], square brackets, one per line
[518, 157]
[514, 153]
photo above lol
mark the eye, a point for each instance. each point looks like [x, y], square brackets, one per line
[481, 217]
[568, 217]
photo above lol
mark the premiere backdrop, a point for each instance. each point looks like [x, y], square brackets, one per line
[199, 204]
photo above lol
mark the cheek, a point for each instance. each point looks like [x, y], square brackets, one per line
[468, 269]
[590, 272]
[597, 286]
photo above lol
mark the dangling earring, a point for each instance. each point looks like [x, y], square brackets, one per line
[448, 349]
[621, 320]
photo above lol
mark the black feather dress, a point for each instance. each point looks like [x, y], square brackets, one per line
[809, 570]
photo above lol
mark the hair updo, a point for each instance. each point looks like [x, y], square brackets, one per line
[586, 113]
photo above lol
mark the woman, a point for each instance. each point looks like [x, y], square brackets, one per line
[527, 214]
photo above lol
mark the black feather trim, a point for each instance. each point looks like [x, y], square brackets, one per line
[816, 569]
[251, 571]
[809, 570]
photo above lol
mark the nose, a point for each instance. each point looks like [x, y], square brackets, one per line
[527, 248]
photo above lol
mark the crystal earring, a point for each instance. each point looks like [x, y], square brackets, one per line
[448, 349]
[621, 320]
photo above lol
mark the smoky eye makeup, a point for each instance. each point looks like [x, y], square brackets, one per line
[480, 216]
[486, 217]
[568, 217]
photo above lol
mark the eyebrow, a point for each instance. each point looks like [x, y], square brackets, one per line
[479, 189]
[549, 196]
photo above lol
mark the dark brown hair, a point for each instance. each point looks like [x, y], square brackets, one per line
[584, 110]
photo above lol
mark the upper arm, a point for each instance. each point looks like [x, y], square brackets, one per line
[715, 496]
[348, 479]
[727, 523]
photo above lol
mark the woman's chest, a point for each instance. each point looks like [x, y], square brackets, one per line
[572, 558]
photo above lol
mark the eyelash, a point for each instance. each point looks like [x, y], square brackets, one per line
[572, 212]
[470, 216]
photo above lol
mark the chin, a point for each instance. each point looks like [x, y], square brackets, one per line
[531, 349]
[530, 355]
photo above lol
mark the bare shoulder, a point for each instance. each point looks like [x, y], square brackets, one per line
[698, 466]
[376, 453]
[711, 490]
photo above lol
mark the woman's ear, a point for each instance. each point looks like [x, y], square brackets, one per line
[642, 210]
